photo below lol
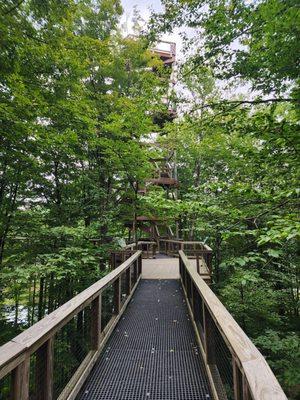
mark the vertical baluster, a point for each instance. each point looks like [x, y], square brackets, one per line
[20, 381]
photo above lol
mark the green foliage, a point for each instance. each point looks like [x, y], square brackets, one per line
[75, 101]
[257, 41]
[283, 354]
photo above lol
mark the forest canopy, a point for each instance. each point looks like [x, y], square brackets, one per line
[78, 101]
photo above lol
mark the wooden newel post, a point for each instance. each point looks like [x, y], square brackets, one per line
[44, 371]
[96, 322]
[20, 381]
[209, 339]
[117, 295]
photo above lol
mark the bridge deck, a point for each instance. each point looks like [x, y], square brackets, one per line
[152, 353]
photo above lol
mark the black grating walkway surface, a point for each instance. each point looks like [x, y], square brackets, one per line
[152, 353]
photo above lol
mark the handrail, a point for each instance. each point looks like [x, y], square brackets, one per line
[182, 241]
[192, 248]
[252, 378]
[15, 355]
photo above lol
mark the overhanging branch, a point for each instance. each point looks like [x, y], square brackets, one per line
[236, 103]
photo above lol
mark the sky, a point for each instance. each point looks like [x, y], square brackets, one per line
[145, 8]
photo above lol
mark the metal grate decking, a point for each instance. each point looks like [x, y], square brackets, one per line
[152, 353]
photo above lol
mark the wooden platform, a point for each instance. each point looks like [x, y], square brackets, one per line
[168, 268]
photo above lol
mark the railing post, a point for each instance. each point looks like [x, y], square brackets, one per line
[44, 371]
[209, 339]
[96, 322]
[197, 263]
[209, 261]
[128, 280]
[135, 271]
[246, 394]
[236, 381]
[117, 295]
[192, 298]
[180, 266]
[20, 381]
[139, 265]
[185, 279]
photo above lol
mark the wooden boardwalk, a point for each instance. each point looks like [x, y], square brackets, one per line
[168, 268]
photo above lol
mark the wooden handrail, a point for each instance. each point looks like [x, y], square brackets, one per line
[181, 241]
[15, 353]
[257, 377]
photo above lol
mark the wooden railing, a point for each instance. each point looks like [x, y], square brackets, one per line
[52, 358]
[192, 249]
[117, 257]
[148, 248]
[236, 368]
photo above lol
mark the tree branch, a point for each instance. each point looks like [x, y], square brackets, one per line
[236, 103]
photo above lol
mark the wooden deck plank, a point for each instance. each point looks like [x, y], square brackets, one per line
[168, 268]
[160, 268]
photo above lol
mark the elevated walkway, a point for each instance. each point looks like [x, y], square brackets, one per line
[131, 338]
[152, 353]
